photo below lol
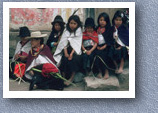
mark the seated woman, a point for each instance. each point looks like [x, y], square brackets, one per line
[40, 58]
[21, 52]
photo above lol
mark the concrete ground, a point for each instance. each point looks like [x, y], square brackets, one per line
[80, 86]
[15, 86]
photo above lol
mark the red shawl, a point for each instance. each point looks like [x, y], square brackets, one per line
[93, 36]
[45, 51]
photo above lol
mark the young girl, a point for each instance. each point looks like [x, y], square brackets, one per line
[102, 60]
[57, 30]
[69, 48]
[89, 44]
[21, 53]
[121, 36]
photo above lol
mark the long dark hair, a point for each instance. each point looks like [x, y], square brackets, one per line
[106, 18]
[108, 31]
[121, 15]
[77, 20]
[61, 25]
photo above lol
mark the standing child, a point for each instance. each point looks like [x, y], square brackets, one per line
[105, 41]
[69, 48]
[57, 30]
[90, 40]
[121, 36]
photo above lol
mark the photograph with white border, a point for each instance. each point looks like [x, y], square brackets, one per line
[63, 50]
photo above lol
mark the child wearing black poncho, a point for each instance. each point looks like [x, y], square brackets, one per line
[121, 36]
[57, 30]
[102, 61]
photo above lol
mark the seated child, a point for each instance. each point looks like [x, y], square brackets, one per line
[21, 53]
[89, 44]
[121, 36]
[67, 54]
[102, 63]
[57, 30]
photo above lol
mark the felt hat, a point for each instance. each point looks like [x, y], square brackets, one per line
[24, 32]
[58, 19]
[37, 34]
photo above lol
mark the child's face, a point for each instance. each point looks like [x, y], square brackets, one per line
[89, 29]
[35, 43]
[23, 39]
[118, 21]
[73, 25]
[102, 22]
[57, 26]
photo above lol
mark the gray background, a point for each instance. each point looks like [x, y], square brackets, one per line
[146, 74]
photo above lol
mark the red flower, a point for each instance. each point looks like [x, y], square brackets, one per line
[48, 68]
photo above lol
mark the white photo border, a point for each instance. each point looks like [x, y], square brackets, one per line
[68, 94]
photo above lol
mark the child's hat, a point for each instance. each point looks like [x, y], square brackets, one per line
[59, 19]
[89, 22]
[24, 32]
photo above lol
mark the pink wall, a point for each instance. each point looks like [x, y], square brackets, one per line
[37, 19]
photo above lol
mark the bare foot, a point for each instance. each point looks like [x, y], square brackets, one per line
[35, 86]
[106, 76]
[99, 75]
[119, 71]
[66, 83]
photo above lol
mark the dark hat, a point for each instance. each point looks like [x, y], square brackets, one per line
[24, 32]
[59, 19]
[89, 22]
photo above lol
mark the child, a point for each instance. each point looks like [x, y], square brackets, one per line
[21, 53]
[105, 41]
[121, 36]
[70, 46]
[89, 44]
[57, 30]
[40, 58]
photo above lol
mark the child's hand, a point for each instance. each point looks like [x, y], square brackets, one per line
[103, 47]
[98, 48]
[118, 48]
[55, 44]
[88, 52]
[16, 56]
[70, 57]
[23, 58]
[116, 37]
[31, 73]
[99, 31]
[90, 34]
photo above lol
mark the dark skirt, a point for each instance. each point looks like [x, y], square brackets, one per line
[87, 60]
[119, 54]
[102, 61]
[70, 66]
[45, 82]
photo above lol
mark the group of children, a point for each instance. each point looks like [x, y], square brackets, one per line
[96, 49]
